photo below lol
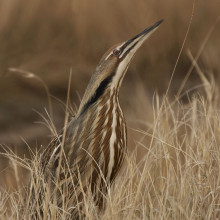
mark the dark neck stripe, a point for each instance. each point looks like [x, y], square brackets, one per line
[98, 93]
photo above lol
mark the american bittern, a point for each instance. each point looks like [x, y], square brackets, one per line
[95, 140]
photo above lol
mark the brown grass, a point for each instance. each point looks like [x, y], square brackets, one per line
[176, 178]
[172, 169]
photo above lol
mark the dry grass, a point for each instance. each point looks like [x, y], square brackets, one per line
[173, 164]
[177, 178]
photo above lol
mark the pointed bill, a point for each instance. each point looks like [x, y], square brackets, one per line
[135, 42]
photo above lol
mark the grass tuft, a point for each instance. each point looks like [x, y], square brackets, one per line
[177, 178]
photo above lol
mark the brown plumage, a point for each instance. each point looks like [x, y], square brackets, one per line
[95, 141]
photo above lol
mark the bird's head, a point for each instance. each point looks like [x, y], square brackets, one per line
[113, 66]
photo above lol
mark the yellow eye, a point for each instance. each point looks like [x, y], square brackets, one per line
[116, 52]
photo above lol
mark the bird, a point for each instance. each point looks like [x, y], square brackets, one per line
[93, 145]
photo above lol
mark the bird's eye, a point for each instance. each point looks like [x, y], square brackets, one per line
[116, 52]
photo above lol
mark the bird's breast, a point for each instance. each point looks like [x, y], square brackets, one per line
[99, 136]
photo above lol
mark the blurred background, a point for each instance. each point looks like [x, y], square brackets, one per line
[49, 38]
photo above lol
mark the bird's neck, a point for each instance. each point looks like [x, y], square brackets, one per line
[97, 124]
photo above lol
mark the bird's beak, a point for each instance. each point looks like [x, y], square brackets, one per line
[134, 43]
